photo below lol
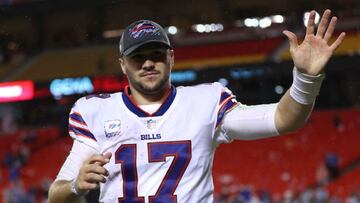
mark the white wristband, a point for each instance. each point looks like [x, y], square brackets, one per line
[73, 188]
[305, 88]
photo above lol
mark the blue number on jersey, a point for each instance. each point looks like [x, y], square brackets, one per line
[126, 156]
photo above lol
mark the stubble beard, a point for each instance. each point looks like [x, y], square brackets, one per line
[159, 87]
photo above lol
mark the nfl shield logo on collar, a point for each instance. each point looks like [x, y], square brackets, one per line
[151, 124]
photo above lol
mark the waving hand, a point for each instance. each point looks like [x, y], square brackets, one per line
[314, 52]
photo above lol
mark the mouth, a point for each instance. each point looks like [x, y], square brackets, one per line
[150, 74]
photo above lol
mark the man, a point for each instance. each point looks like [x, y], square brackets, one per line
[155, 142]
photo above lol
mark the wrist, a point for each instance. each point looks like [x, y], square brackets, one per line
[305, 88]
[75, 191]
[309, 73]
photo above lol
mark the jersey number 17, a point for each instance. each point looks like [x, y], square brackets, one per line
[157, 152]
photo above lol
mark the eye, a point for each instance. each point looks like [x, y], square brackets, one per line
[155, 55]
[158, 54]
[138, 57]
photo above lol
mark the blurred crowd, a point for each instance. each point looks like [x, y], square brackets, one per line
[318, 195]
[232, 193]
[17, 193]
[14, 162]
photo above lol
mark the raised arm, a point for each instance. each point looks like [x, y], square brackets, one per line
[310, 58]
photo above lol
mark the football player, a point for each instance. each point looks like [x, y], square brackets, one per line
[155, 142]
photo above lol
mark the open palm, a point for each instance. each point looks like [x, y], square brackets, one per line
[313, 53]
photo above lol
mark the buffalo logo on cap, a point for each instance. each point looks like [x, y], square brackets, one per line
[142, 28]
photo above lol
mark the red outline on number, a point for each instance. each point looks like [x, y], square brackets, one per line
[172, 196]
[123, 175]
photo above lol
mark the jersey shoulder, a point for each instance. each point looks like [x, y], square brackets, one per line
[211, 96]
[92, 103]
[83, 114]
[202, 91]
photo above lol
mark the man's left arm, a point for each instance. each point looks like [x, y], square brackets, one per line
[310, 58]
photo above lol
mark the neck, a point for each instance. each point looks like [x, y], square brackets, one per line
[144, 99]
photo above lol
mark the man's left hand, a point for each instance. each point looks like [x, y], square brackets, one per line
[311, 56]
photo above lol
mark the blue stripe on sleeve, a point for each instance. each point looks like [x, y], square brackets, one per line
[224, 109]
[81, 132]
[224, 95]
[77, 118]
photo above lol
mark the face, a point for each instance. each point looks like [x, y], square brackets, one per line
[148, 68]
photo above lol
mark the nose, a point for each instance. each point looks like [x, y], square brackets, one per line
[148, 64]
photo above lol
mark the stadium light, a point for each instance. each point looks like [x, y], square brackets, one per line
[277, 19]
[265, 22]
[223, 81]
[219, 27]
[208, 28]
[172, 30]
[251, 22]
[213, 27]
[200, 28]
[279, 89]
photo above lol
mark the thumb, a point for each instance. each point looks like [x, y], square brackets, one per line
[106, 159]
[292, 39]
[107, 155]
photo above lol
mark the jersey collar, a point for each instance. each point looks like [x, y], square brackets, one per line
[133, 107]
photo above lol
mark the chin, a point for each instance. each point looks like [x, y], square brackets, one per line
[153, 88]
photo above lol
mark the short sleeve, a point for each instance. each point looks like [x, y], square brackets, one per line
[78, 127]
[227, 101]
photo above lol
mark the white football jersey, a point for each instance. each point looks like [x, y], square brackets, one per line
[161, 157]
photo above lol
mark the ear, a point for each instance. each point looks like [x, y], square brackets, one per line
[122, 65]
[172, 58]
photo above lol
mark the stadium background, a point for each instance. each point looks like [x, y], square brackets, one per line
[62, 50]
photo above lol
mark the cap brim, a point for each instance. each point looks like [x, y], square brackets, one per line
[136, 46]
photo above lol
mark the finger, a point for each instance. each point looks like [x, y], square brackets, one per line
[95, 168]
[107, 155]
[87, 186]
[94, 178]
[98, 158]
[292, 39]
[338, 41]
[323, 23]
[311, 24]
[93, 158]
[330, 30]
